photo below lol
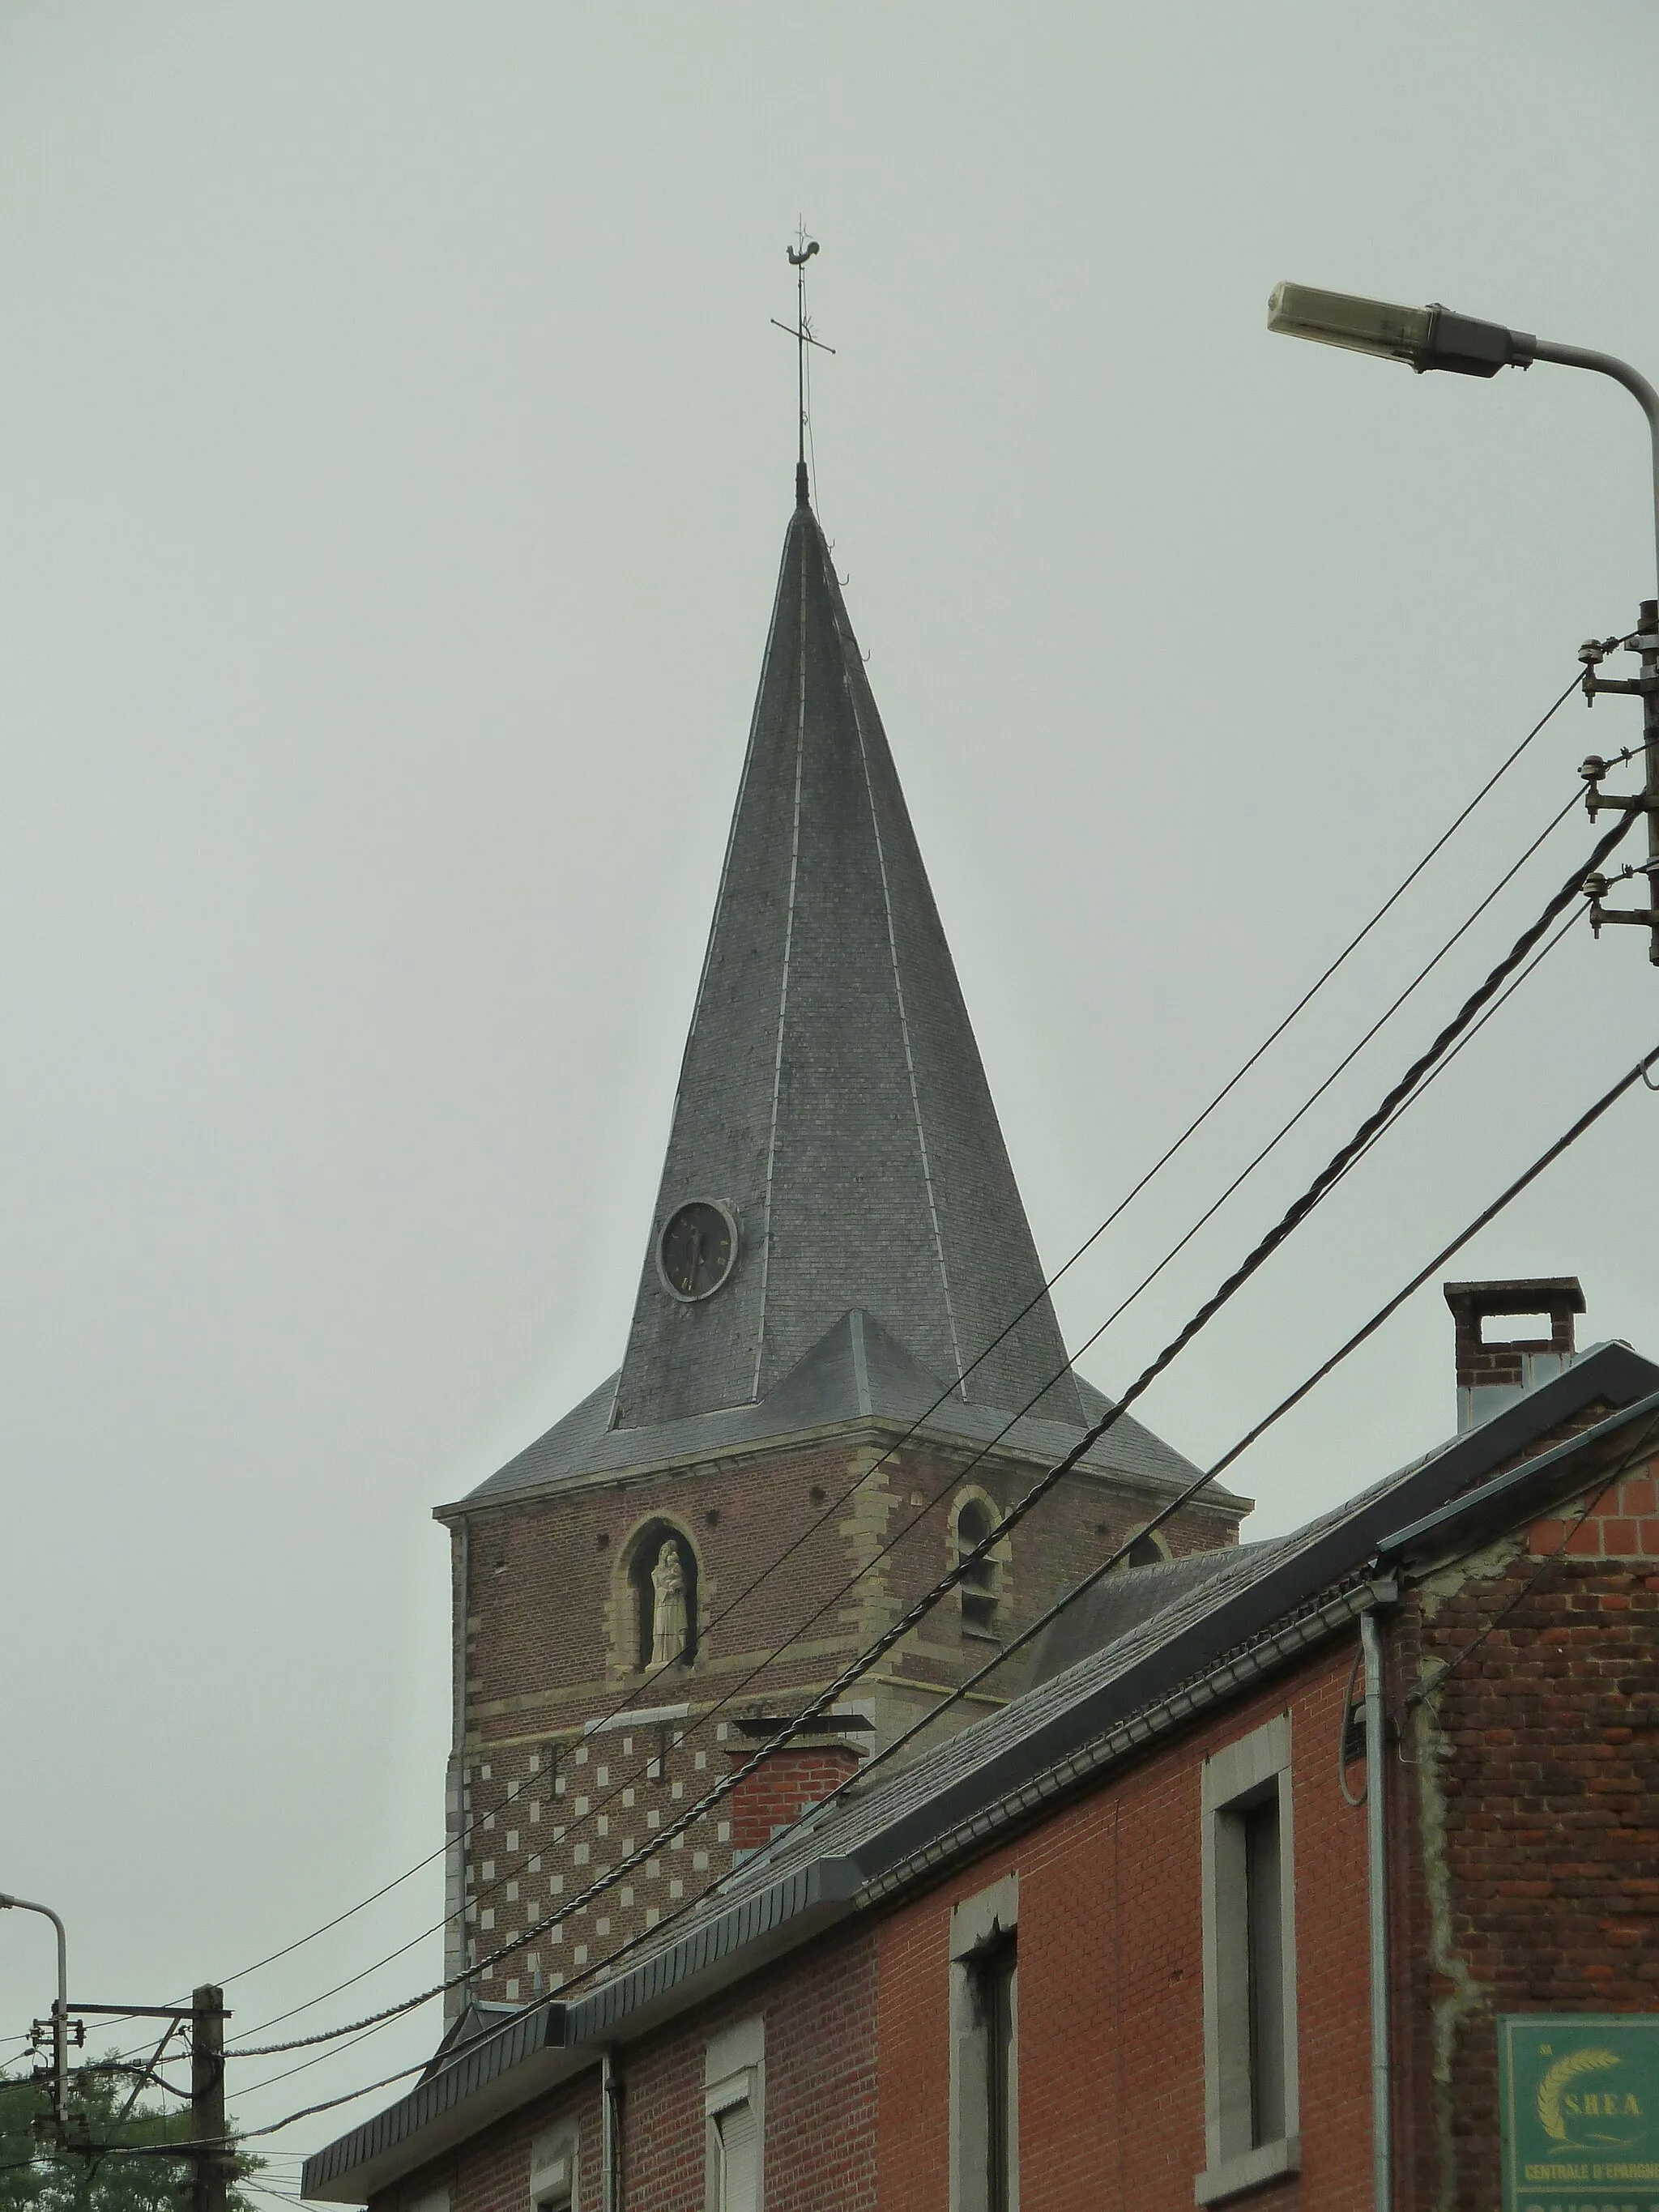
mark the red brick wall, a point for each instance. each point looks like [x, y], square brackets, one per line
[1535, 1834]
[1524, 1851]
[1622, 1523]
[821, 2088]
[492, 2173]
[1111, 2024]
[820, 2092]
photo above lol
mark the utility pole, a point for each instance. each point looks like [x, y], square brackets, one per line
[1646, 801]
[213, 2162]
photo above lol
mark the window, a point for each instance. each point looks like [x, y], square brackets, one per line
[553, 2170]
[739, 2141]
[985, 2050]
[734, 2108]
[981, 1586]
[1250, 1966]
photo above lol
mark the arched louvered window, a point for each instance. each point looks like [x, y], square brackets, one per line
[983, 1586]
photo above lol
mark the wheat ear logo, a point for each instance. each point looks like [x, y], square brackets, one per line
[1558, 2082]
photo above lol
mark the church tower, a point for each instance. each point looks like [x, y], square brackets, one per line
[842, 1366]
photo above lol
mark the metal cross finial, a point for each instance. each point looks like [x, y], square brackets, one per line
[800, 254]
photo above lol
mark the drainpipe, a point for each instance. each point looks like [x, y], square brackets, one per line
[1370, 1638]
[610, 2134]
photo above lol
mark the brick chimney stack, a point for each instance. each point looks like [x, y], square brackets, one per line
[1493, 1370]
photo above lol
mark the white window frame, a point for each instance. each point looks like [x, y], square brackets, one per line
[976, 1924]
[556, 2170]
[734, 2073]
[1234, 1780]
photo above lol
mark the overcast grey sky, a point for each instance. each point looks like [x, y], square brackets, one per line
[394, 457]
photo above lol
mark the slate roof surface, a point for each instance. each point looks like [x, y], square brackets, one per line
[831, 1094]
[856, 1371]
[1122, 1600]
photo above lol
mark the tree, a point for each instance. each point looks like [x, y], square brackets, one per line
[38, 2175]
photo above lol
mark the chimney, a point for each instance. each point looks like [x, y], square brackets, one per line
[1496, 1366]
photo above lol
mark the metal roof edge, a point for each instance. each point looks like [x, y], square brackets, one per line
[789, 1910]
[1235, 1671]
[1475, 1503]
[497, 2073]
[429, 2117]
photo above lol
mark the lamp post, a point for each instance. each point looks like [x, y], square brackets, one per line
[59, 2010]
[1435, 338]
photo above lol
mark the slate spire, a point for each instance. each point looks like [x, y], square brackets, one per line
[832, 1104]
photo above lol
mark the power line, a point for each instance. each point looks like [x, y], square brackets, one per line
[1361, 1335]
[1162, 1161]
[815, 1813]
[1462, 1023]
[1254, 1261]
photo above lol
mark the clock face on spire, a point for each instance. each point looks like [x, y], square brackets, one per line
[696, 1249]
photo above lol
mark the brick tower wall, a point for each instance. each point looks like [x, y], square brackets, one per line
[551, 1647]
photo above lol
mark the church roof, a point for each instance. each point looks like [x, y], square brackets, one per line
[831, 1099]
[855, 1372]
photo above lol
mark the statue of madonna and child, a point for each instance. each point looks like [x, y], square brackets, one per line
[668, 1618]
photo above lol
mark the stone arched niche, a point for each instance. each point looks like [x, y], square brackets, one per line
[662, 1583]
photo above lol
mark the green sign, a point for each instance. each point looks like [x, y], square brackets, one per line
[1579, 2093]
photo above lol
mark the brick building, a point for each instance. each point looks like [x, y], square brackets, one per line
[1237, 1901]
[843, 1365]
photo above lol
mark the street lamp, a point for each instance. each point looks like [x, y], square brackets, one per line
[1434, 337]
[59, 2011]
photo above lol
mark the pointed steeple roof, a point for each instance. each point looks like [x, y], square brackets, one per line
[831, 1098]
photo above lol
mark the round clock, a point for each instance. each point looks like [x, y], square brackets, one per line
[696, 1249]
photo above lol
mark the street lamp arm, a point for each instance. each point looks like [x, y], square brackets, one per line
[1608, 364]
[60, 2010]
[1433, 337]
